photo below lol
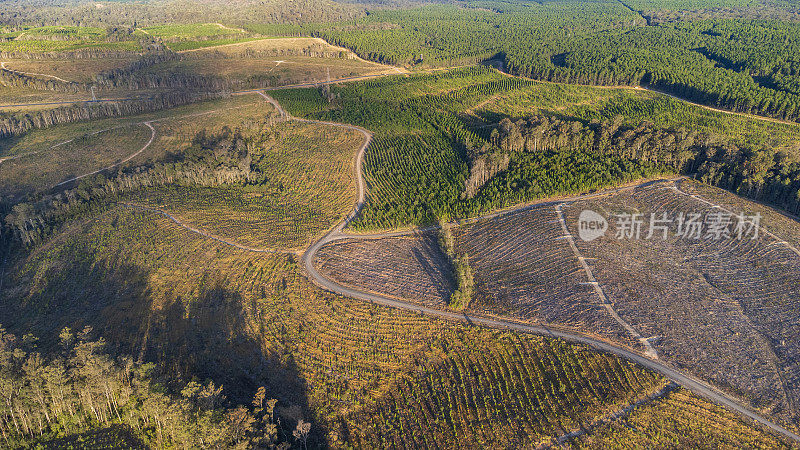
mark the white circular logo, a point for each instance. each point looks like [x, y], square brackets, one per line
[591, 225]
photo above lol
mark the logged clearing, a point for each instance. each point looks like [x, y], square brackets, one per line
[42, 169]
[177, 128]
[274, 70]
[12, 97]
[280, 45]
[192, 118]
[725, 309]
[408, 267]
[78, 70]
[41, 159]
[523, 269]
[271, 62]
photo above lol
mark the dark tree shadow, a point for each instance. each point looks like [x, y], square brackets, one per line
[208, 337]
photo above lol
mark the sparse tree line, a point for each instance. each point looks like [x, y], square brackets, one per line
[80, 387]
[11, 125]
[462, 272]
[70, 55]
[11, 78]
[757, 173]
[176, 79]
[118, 77]
[218, 159]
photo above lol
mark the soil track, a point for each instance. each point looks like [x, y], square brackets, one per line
[647, 360]
[3, 66]
[130, 157]
[686, 380]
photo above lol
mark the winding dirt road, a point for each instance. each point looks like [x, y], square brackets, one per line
[206, 233]
[337, 233]
[3, 66]
[688, 381]
[130, 157]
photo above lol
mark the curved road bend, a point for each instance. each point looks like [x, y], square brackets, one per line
[689, 382]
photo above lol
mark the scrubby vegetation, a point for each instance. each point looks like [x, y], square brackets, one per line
[198, 308]
[179, 260]
[673, 422]
[491, 394]
[462, 272]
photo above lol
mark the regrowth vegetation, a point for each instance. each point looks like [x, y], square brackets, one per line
[465, 281]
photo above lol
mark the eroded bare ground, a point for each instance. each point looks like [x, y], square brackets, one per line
[409, 267]
[524, 268]
[725, 309]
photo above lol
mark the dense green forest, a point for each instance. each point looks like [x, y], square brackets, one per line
[740, 64]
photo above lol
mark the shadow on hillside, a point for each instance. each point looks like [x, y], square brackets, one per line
[206, 337]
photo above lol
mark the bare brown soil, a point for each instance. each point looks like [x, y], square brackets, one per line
[724, 309]
[411, 267]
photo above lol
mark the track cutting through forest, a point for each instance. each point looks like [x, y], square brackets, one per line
[337, 233]
[646, 360]
[685, 380]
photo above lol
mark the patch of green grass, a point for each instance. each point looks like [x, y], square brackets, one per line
[194, 45]
[190, 31]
